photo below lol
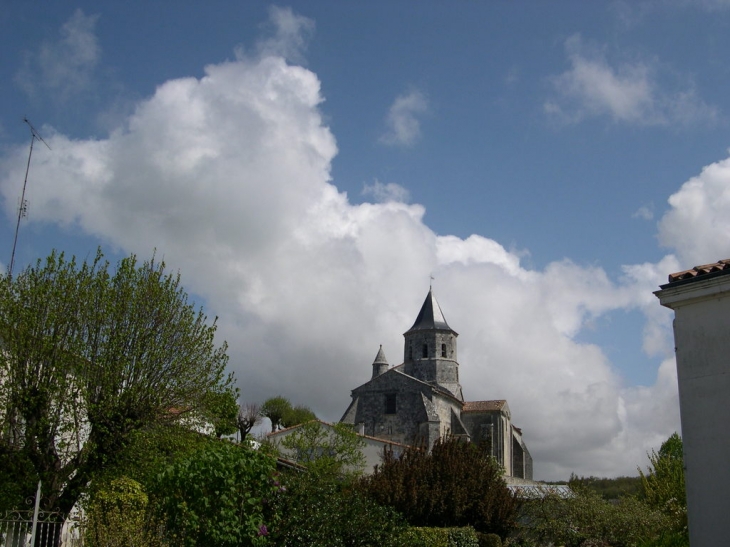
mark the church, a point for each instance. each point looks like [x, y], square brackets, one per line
[421, 400]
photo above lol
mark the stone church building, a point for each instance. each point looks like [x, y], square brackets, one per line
[421, 400]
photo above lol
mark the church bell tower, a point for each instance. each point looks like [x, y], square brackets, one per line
[430, 349]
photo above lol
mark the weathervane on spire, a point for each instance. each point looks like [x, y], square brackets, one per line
[23, 207]
[430, 283]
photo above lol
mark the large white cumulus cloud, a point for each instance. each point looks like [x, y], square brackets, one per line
[697, 224]
[228, 177]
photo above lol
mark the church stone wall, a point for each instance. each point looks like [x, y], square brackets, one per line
[401, 426]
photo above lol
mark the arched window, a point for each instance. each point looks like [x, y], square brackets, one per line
[443, 350]
[410, 352]
[425, 350]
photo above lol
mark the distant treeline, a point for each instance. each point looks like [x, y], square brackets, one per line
[608, 489]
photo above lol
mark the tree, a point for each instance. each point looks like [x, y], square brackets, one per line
[663, 484]
[455, 484]
[249, 416]
[222, 412]
[89, 356]
[327, 451]
[275, 409]
[297, 415]
[282, 415]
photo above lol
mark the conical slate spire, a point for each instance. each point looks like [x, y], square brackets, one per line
[430, 317]
[380, 357]
[380, 365]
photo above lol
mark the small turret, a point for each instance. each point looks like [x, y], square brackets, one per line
[380, 365]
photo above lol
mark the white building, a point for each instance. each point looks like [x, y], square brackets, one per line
[700, 298]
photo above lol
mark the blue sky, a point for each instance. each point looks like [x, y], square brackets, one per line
[308, 166]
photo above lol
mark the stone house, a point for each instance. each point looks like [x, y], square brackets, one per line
[421, 400]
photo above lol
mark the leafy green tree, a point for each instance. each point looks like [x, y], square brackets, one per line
[150, 450]
[326, 450]
[275, 409]
[663, 484]
[455, 484]
[297, 415]
[91, 356]
[222, 412]
[217, 496]
[282, 414]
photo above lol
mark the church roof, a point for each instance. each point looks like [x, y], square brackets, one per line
[430, 317]
[483, 406]
[380, 357]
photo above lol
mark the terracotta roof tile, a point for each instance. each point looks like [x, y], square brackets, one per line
[483, 406]
[697, 271]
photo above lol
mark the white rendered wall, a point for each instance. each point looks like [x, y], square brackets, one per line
[702, 343]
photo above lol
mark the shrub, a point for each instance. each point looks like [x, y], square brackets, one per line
[663, 484]
[316, 511]
[489, 540]
[455, 484]
[463, 537]
[586, 518]
[420, 536]
[116, 513]
[217, 496]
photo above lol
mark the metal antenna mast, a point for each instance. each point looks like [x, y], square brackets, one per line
[23, 208]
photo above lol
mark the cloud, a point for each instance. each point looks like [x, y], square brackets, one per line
[386, 192]
[697, 225]
[307, 285]
[64, 67]
[291, 35]
[403, 125]
[629, 93]
[645, 212]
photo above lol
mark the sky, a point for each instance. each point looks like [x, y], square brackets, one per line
[309, 167]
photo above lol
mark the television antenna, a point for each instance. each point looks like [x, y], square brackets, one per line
[23, 207]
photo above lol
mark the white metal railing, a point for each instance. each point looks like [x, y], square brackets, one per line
[37, 528]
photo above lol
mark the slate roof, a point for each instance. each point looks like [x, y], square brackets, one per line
[483, 406]
[380, 357]
[430, 317]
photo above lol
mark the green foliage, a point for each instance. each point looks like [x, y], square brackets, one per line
[421, 536]
[328, 513]
[283, 415]
[464, 536]
[221, 410]
[668, 538]
[587, 519]
[117, 513]
[217, 496]
[275, 409]
[663, 484]
[297, 415]
[489, 540]
[456, 484]
[90, 356]
[608, 489]
[326, 450]
[18, 477]
[150, 450]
